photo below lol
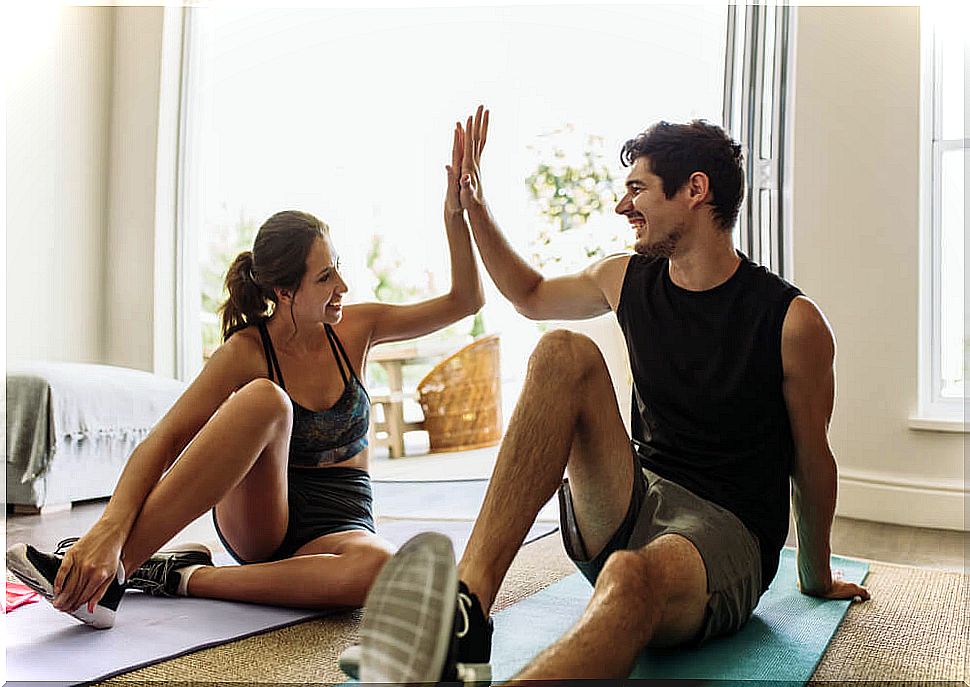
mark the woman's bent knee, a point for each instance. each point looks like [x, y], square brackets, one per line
[362, 570]
[267, 399]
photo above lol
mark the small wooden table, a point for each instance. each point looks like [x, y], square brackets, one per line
[393, 358]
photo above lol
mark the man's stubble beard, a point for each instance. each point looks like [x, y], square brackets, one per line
[664, 248]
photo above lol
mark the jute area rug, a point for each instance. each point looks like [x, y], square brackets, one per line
[913, 630]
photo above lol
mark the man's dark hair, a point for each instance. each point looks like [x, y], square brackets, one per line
[676, 151]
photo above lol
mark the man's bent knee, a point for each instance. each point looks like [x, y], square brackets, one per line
[635, 591]
[676, 561]
[566, 351]
[629, 573]
[660, 588]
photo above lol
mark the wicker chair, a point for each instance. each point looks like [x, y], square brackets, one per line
[461, 398]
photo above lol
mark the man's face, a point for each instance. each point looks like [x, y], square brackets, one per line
[659, 222]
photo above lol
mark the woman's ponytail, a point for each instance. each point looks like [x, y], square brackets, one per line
[247, 302]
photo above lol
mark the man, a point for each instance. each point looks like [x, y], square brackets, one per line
[733, 391]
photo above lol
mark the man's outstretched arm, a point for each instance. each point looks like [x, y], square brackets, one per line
[808, 356]
[588, 293]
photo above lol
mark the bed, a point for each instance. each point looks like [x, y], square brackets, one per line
[70, 428]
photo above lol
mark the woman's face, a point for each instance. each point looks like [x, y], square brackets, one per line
[322, 289]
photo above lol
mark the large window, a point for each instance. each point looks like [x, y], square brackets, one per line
[348, 114]
[944, 341]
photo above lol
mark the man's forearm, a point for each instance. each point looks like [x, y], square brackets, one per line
[515, 278]
[813, 497]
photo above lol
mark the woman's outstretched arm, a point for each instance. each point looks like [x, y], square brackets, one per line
[390, 322]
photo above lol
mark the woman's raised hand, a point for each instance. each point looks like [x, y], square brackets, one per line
[475, 134]
[452, 195]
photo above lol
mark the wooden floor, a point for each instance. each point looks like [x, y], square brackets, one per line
[935, 549]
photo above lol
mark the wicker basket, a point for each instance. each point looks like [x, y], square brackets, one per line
[462, 400]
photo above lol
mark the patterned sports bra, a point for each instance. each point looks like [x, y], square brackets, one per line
[332, 435]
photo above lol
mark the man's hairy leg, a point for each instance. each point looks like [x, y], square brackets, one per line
[567, 413]
[655, 596]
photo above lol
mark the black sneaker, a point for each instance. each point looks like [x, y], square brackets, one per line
[473, 630]
[412, 619]
[38, 571]
[160, 576]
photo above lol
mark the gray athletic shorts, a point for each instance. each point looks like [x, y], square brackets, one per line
[659, 506]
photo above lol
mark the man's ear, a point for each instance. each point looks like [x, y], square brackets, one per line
[698, 189]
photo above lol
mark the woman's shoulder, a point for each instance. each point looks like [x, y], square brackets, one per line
[243, 351]
[357, 319]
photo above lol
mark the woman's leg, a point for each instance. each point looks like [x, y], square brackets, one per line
[332, 570]
[238, 460]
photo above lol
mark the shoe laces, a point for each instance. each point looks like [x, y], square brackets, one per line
[154, 572]
[64, 544]
[464, 603]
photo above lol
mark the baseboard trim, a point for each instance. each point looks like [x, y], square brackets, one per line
[916, 503]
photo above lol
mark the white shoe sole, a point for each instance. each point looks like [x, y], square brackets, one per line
[188, 547]
[409, 614]
[349, 663]
[18, 563]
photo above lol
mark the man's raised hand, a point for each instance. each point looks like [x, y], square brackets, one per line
[475, 134]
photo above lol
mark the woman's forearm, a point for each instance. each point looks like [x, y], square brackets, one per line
[466, 283]
[144, 469]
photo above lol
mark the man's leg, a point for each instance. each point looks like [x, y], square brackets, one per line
[656, 596]
[566, 415]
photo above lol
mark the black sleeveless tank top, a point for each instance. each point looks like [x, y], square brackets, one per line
[708, 411]
[331, 435]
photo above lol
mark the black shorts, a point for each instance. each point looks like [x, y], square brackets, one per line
[731, 553]
[321, 501]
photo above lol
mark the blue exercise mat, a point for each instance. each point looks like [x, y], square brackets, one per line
[783, 641]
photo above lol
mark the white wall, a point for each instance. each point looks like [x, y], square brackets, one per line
[57, 130]
[856, 253]
[83, 131]
[130, 257]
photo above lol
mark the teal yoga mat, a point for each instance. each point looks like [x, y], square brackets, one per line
[782, 643]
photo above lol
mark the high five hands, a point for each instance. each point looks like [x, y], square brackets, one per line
[464, 172]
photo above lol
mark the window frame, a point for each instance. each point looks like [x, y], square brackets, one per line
[763, 230]
[934, 411]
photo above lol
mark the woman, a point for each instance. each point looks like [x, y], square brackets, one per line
[272, 436]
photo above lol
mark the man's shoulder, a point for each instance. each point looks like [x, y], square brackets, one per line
[765, 276]
[609, 274]
[610, 266]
